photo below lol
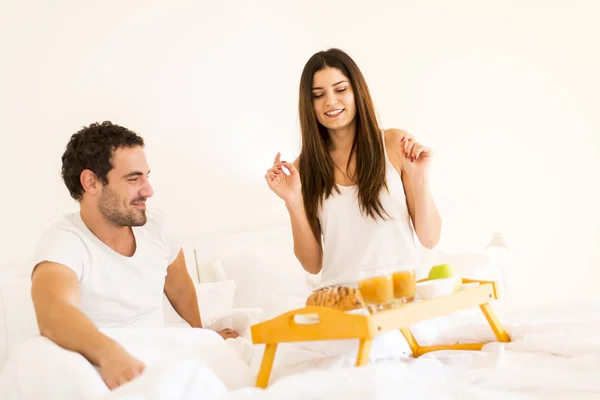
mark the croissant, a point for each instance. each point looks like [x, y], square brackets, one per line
[337, 297]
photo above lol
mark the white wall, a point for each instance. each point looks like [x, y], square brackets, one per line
[506, 93]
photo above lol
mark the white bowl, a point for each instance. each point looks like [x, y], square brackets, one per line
[436, 287]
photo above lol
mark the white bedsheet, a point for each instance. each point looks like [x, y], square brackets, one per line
[555, 354]
[180, 361]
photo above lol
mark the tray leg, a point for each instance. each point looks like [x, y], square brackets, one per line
[363, 352]
[456, 346]
[264, 373]
[412, 342]
[494, 323]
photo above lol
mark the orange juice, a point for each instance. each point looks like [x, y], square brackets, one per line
[405, 285]
[378, 290]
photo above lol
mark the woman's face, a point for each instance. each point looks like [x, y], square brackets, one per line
[333, 99]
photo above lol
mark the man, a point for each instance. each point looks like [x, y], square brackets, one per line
[108, 265]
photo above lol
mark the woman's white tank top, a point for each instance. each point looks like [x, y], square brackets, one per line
[353, 241]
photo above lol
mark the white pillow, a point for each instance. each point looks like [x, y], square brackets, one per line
[214, 299]
[272, 280]
[17, 315]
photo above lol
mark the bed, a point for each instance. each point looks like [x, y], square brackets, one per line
[246, 277]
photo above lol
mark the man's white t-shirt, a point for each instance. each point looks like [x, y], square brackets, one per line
[116, 291]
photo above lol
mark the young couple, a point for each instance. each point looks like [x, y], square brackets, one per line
[353, 195]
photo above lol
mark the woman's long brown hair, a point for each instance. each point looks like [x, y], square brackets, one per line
[315, 162]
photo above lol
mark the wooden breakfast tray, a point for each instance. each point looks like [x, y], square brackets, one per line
[322, 323]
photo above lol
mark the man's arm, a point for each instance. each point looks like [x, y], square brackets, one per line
[55, 295]
[181, 292]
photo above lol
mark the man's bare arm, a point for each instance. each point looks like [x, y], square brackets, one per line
[181, 292]
[55, 295]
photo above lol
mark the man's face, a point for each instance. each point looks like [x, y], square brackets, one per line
[123, 200]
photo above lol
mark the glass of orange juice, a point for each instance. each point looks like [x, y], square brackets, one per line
[376, 288]
[404, 278]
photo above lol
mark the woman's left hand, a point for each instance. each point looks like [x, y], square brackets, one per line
[415, 158]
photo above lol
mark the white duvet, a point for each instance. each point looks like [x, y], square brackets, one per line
[555, 354]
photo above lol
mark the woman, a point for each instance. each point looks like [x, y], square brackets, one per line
[355, 189]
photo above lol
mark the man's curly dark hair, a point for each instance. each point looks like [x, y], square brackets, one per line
[92, 148]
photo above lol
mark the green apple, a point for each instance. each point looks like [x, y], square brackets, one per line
[443, 271]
